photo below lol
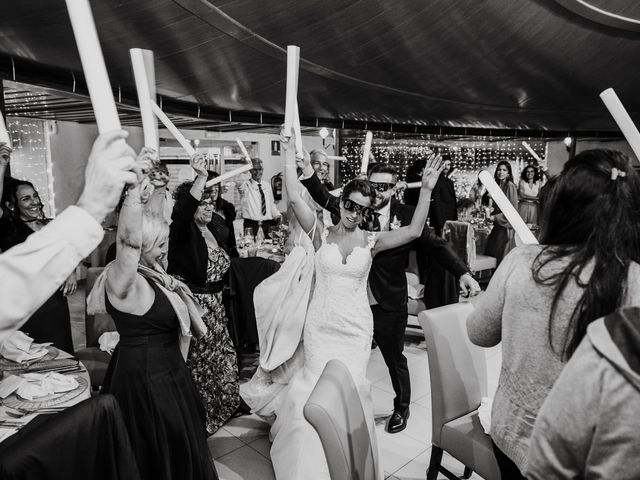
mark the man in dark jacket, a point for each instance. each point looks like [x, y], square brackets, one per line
[387, 279]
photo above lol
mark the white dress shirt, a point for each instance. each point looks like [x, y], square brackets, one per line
[251, 202]
[33, 270]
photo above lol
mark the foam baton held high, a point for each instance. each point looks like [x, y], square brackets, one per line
[507, 209]
[95, 71]
[149, 122]
[366, 151]
[622, 118]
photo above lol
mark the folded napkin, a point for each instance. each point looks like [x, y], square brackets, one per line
[108, 341]
[19, 348]
[34, 385]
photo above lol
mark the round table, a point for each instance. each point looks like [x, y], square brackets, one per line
[13, 409]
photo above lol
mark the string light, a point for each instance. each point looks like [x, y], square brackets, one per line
[468, 157]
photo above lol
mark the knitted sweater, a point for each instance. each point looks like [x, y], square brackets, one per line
[515, 310]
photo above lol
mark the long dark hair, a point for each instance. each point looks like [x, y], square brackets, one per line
[10, 197]
[219, 201]
[362, 186]
[591, 216]
[509, 171]
[537, 176]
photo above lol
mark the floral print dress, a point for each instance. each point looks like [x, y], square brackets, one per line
[212, 359]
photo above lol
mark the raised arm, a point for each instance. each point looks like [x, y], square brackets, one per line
[5, 156]
[395, 238]
[123, 281]
[305, 215]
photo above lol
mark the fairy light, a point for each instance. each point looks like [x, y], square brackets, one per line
[468, 156]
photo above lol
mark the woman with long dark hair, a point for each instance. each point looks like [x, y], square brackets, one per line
[21, 214]
[529, 194]
[500, 240]
[542, 297]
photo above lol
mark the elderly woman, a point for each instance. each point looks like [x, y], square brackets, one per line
[147, 373]
[224, 213]
[198, 254]
[21, 215]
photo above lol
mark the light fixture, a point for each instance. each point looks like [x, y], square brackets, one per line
[196, 142]
[324, 133]
[567, 142]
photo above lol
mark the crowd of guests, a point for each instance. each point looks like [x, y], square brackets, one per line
[563, 311]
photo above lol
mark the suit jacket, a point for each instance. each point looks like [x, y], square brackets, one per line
[443, 203]
[188, 255]
[387, 278]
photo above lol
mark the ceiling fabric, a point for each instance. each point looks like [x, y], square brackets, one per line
[516, 64]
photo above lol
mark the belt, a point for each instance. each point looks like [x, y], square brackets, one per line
[159, 339]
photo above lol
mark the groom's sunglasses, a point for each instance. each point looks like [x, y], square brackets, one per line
[352, 206]
[382, 187]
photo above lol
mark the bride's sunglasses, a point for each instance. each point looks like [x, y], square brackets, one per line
[352, 206]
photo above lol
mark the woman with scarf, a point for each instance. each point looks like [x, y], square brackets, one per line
[147, 374]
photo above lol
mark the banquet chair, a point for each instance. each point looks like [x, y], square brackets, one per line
[95, 360]
[458, 377]
[461, 237]
[335, 412]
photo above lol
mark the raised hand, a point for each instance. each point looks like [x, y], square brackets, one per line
[432, 171]
[110, 167]
[199, 164]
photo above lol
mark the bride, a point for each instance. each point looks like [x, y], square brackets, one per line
[338, 323]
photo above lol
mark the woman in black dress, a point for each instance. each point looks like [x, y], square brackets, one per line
[147, 374]
[199, 255]
[21, 214]
[500, 240]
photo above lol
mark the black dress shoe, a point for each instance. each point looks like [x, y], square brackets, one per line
[398, 420]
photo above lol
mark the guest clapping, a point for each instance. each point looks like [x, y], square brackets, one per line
[198, 255]
[542, 298]
[501, 238]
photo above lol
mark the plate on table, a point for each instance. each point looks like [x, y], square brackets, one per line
[9, 365]
[53, 400]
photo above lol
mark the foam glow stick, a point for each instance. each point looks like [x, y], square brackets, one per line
[366, 151]
[4, 133]
[149, 122]
[246, 155]
[95, 71]
[335, 157]
[293, 62]
[232, 173]
[336, 192]
[532, 152]
[622, 118]
[414, 184]
[507, 209]
[173, 129]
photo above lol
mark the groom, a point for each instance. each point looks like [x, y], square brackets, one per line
[387, 280]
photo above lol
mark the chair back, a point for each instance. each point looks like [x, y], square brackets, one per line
[457, 368]
[461, 237]
[335, 412]
[96, 325]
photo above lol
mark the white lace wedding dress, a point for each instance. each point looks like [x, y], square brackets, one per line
[338, 325]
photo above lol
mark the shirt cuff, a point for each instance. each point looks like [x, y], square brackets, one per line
[78, 228]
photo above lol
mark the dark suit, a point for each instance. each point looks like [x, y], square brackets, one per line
[443, 204]
[388, 284]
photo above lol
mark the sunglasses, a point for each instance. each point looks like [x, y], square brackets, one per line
[352, 206]
[206, 203]
[382, 187]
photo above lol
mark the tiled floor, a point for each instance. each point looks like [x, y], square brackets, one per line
[241, 447]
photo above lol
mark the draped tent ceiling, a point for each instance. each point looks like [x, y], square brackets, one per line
[407, 65]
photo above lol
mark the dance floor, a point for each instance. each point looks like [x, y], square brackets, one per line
[241, 447]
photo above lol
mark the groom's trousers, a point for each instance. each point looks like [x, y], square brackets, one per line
[388, 332]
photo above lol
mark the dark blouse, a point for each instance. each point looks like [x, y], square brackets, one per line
[188, 254]
[13, 232]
